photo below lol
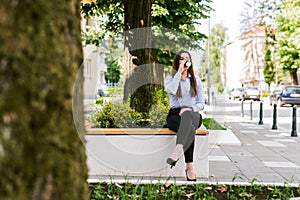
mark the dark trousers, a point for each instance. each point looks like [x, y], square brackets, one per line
[185, 127]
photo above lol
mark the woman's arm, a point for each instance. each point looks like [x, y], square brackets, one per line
[172, 83]
[200, 98]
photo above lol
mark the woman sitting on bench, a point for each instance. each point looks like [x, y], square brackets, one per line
[186, 100]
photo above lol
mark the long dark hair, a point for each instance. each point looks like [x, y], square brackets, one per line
[175, 66]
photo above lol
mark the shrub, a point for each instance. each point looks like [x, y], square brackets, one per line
[158, 115]
[123, 115]
[120, 115]
[104, 117]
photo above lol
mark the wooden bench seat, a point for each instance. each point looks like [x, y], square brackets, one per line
[137, 131]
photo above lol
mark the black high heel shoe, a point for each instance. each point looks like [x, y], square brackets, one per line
[172, 162]
[188, 179]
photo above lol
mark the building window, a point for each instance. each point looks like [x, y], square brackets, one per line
[88, 68]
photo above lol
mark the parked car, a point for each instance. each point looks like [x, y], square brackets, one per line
[235, 93]
[285, 94]
[250, 92]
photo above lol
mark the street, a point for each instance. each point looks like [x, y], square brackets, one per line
[232, 110]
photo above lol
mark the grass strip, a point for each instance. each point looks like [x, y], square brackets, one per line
[128, 190]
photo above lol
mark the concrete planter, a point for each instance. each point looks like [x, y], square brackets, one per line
[141, 155]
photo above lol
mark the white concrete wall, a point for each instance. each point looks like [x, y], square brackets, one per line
[141, 155]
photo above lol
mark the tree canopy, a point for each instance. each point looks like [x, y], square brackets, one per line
[281, 21]
[179, 16]
[217, 39]
[287, 45]
[257, 12]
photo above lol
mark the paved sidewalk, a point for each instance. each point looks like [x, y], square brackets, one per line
[265, 155]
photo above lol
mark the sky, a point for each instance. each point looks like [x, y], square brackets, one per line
[228, 13]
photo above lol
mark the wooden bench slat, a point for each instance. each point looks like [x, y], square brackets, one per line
[136, 131]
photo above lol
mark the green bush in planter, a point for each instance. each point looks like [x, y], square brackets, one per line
[121, 115]
[104, 117]
[113, 115]
[158, 114]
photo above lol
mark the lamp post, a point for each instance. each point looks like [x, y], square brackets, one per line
[208, 64]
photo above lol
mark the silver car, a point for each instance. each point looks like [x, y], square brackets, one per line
[235, 93]
[250, 92]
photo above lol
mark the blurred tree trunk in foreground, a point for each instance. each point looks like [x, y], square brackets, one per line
[41, 154]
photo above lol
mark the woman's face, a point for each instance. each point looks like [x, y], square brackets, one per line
[184, 57]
